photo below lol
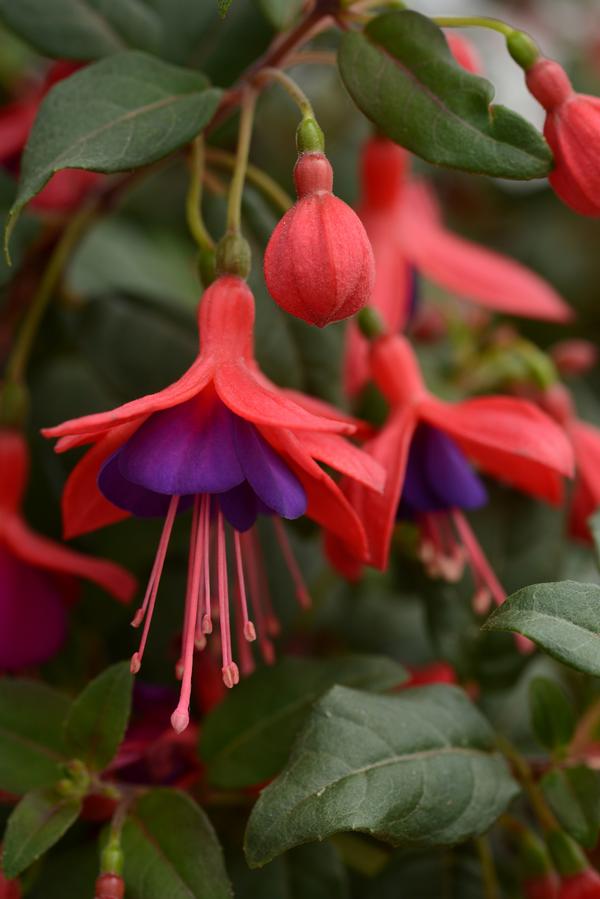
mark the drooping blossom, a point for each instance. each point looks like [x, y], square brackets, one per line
[228, 444]
[428, 448]
[572, 129]
[38, 577]
[319, 262]
[404, 223]
[67, 188]
[583, 885]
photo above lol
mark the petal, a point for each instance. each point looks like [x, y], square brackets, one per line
[14, 468]
[239, 506]
[346, 458]
[268, 475]
[32, 611]
[327, 505]
[510, 439]
[326, 410]
[44, 553]
[191, 383]
[255, 399]
[132, 498]
[84, 508]
[187, 449]
[586, 496]
[471, 271]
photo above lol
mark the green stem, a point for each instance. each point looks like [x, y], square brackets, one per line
[474, 22]
[193, 203]
[534, 794]
[236, 189]
[19, 357]
[269, 187]
[491, 888]
[294, 90]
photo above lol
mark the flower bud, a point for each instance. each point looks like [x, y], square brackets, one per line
[465, 54]
[319, 263]
[584, 885]
[574, 357]
[573, 131]
[109, 886]
[9, 889]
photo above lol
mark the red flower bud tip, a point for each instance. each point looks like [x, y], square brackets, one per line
[573, 131]
[9, 889]
[319, 263]
[545, 886]
[574, 357]
[109, 886]
[584, 885]
[465, 54]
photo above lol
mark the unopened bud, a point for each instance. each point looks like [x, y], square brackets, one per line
[109, 886]
[233, 255]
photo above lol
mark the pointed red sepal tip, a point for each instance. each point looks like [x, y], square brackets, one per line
[109, 886]
[180, 719]
[573, 131]
[584, 885]
[319, 264]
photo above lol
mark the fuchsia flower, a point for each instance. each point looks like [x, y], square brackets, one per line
[319, 262]
[463, 51]
[227, 443]
[573, 131]
[403, 221]
[67, 188]
[37, 575]
[427, 447]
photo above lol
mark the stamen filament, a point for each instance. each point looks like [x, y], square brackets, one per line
[248, 627]
[301, 592]
[230, 670]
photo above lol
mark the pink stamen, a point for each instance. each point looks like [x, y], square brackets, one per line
[272, 625]
[203, 597]
[229, 670]
[246, 659]
[206, 622]
[248, 627]
[479, 563]
[262, 622]
[301, 592]
[152, 591]
[181, 716]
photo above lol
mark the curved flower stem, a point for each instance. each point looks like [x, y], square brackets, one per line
[474, 22]
[193, 203]
[491, 889]
[236, 189]
[311, 57]
[19, 357]
[269, 187]
[534, 794]
[294, 90]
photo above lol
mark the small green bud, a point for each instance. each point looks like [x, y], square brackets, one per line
[233, 255]
[309, 136]
[370, 323]
[111, 860]
[523, 49]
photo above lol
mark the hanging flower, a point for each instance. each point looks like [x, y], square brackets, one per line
[427, 447]
[227, 443]
[319, 262]
[403, 221]
[464, 52]
[37, 575]
[573, 131]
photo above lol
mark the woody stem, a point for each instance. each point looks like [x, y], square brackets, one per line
[234, 204]
[194, 197]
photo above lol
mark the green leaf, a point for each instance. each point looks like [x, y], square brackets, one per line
[98, 717]
[37, 823]
[281, 13]
[402, 75]
[562, 618]
[121, 113]
[574, 795]
[413, 769]
[247, 738]
[552, 714]
[31, 734]
[83, 29]
[171, 850]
